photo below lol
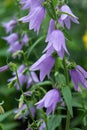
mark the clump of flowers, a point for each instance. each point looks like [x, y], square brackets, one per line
[58, 96]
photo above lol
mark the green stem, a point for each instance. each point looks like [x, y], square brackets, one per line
[66, 72]
[67, 83]
[25, 99]
[67, 120]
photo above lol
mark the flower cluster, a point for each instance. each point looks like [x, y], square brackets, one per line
[56, 44]
[14, 39]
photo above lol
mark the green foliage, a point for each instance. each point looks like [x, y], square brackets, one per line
[5, 115]
[67, 98]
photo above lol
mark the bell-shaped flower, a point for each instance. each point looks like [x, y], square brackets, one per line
[35, 18]
[9, 26]
[50, 100]
[56, 41]
[15, 47]
[68, 16]
[78, 76]
[11, 38]
[44, 64]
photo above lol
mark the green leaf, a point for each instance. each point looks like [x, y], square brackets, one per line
[54, 121]
[10, 126]
[68, 98]
[5, 115]
[34, 45]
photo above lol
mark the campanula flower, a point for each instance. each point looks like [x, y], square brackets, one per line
[44, 64]
[78, 76]
[9, 26]
[11, 38]
[56, 41]
[49, 101]
[68, 17]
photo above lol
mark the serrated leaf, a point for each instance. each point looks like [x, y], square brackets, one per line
[68, 98]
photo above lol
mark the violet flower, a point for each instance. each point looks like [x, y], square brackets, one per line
[78, 76]
[35, 16]
[4, 68]
[15, 47]
[68, 17]
[49, 101]
[22, 78]
[11, 38]
[56, 41]
[9, 25]
[44, 64]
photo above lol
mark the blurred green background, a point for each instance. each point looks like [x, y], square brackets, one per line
[77, 47]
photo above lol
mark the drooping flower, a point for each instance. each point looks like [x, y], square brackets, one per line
[68, 17]
[21, 77]
[11, 38]
[4, 68]
[78, 76]
[15, 47]
[44, 64]
[36, 14]
[56, 41]
[9, 26]
[13, 41]
[35, 18]
[49, 101]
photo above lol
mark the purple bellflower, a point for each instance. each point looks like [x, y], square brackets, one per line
[4, 68]
[44, 64]
[15, 45]
[9, 26]
[56, 41]
[68, 17]
[49, 101]
[35, 16]
[11, 38]
[79, 76]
